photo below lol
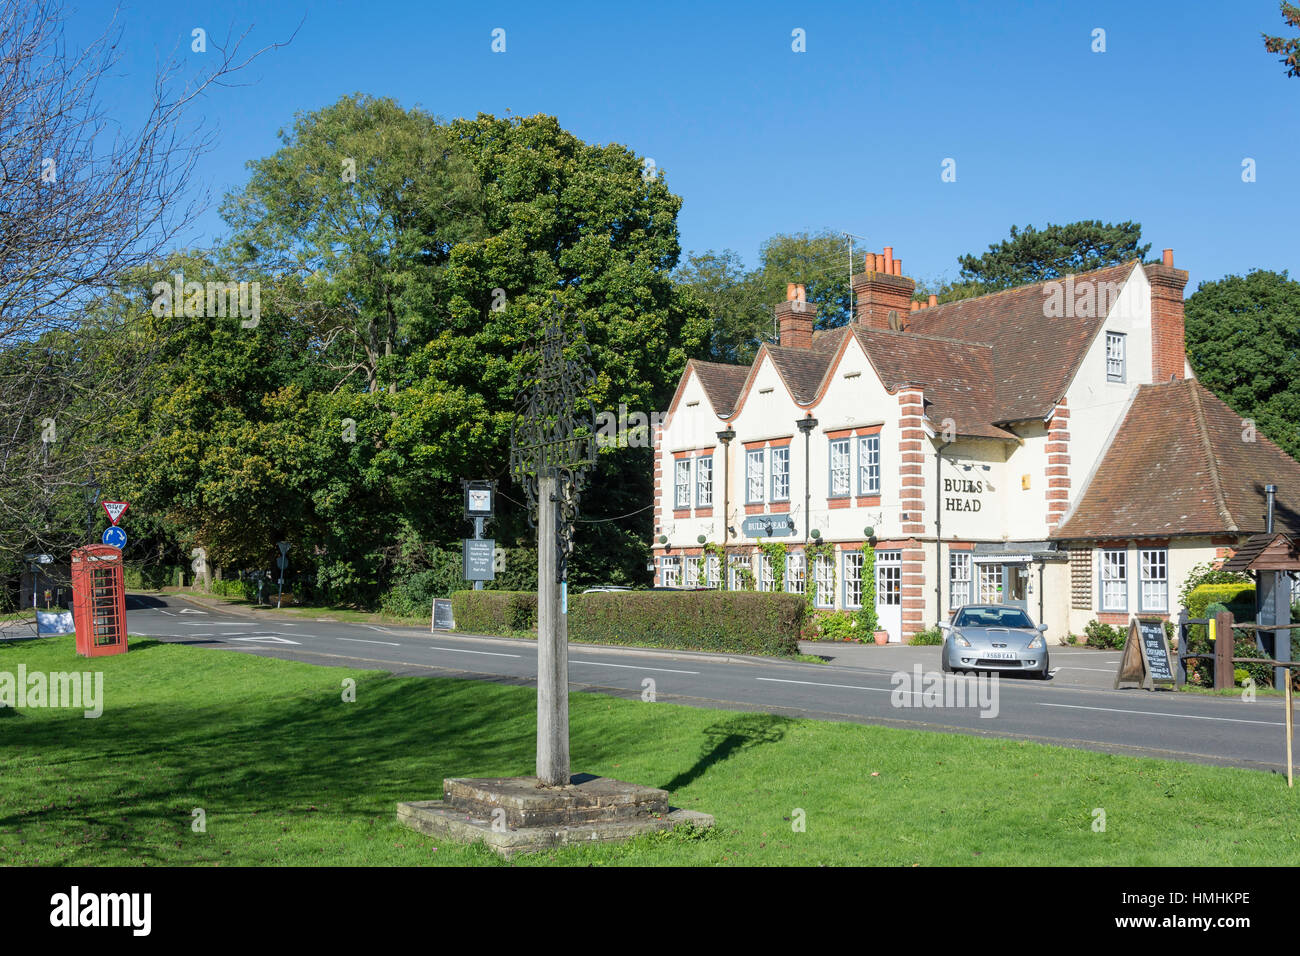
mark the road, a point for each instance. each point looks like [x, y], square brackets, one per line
[1076, 708]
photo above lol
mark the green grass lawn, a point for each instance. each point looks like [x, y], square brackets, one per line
[289, 773]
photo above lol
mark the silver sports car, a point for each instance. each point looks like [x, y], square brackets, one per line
[994, 637]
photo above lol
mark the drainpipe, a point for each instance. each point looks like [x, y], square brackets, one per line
[725, 436]
[806, 425]
[938, 535]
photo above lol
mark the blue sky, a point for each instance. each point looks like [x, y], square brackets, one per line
[849, 135]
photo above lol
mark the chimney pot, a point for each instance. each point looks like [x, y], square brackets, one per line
[870, 262]
[1169, 257]
[790, 291]
[934, 300]
[915, 306]
[889, 260]
[799, 293]
[898, 267]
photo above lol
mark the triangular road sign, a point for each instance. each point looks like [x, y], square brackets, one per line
[115, 510]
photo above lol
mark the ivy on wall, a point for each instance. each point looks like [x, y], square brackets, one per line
[775, 553]
[867, 618]
[812, 551]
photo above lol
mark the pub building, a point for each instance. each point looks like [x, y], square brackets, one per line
[1046, 447]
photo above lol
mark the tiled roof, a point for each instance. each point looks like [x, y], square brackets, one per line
[1034, 356]
[1180, 464]
[955, 376]
[802, 370]
[722, 383]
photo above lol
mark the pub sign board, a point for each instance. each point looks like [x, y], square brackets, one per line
[479, 559]
[1145, 661]
[767, 526]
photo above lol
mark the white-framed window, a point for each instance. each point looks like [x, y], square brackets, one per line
[840, 468]
[889, 578]
[780, 461]
[704, 481]
[736, 564]
[711, 571]
[1153, 576]
[693, 572]
[823, 573]
[959, 578]
[853, 579]
[990, 583]
[766, 581]
[1114, 579]
[669, 572]
[869, 465]
[1115, 357]
[682, 483]
[794, 572]
[754, 475]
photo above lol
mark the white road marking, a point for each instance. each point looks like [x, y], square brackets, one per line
[1153, 713]
[381, 630]
[215, 624]
[461, 650]
[266, 639]
[632, 667]
[190, 610]
[813, 683]
[361, 640]
[1099, 670]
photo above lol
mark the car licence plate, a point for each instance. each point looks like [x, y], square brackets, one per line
[1000, 655]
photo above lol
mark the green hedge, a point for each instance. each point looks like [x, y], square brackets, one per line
[138, 576]
[494, 612]
[1238, 598]
[742, 622]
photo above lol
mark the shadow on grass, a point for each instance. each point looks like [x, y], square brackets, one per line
[727, 738]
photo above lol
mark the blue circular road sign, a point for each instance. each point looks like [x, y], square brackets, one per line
[115, 536]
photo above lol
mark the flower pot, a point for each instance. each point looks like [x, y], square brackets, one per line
[882, 637]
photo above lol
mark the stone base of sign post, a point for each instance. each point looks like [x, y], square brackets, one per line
[514, 815]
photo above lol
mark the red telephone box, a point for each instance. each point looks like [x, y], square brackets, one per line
[98, 600]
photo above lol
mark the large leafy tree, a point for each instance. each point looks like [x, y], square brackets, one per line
[740, 302]
[1033, 255]
[1243, 342]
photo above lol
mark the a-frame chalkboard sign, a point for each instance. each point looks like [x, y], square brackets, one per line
[1145, 661]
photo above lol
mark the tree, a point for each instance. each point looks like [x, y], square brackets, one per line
[1034, 255]
[1243, 342]
[352, 219]
[1289, 46]
[82, 200]
[740, 303]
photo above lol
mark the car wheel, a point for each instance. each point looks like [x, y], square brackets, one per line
[943, 660]
[1046, 672]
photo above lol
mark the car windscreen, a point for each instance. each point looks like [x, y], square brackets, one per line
[992, 617]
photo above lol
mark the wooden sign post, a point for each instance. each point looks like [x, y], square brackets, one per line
[1145, 661]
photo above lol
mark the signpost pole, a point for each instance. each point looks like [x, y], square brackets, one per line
[552, 646]
[478, 536]
[1290, 727]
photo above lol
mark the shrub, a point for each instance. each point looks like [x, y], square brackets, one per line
[149, 577]
[744, 622]
[1207, 599]
[235, 588]
[1104, 636]
[838, 626]
[929, 637]
[1206, 573]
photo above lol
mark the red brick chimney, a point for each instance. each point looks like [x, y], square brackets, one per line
[1168, 335]
[795, 318]
[881, 289]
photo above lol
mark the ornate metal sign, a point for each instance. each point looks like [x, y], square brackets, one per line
[554, 431]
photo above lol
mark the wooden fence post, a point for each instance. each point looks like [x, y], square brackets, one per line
[1223, 641]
